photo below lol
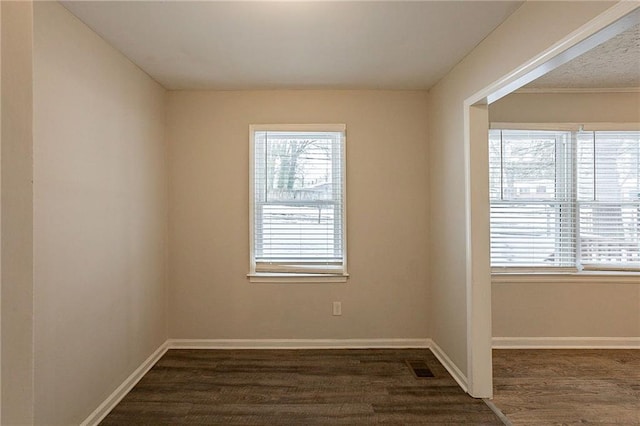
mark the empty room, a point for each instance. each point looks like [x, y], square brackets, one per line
[319, 212]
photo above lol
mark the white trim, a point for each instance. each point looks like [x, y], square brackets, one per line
[121, 391]
[579, 277]
[252, 169]
[607, 24]
[477, 238]
[569, 127]
[566, 342]
[298, 343]
[610, 127]
[331, 127]
[545, 90]
[423, 343]
[220, 344]
[451, 367]
[297, 278]
[604, 26]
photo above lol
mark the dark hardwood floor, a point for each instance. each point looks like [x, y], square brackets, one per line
[297, 387]
[568, 387]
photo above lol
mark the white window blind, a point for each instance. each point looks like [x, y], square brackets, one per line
[565, 199]
[609, 199]
[298, 198]
[532, 200]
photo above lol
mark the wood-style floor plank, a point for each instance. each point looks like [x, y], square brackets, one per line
[297, 387]
[568, 387]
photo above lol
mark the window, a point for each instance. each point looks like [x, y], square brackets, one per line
[608, 170]
[564, 199]
[298, 201]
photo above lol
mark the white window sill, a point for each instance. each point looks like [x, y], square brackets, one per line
[296, 278]
[571, 277]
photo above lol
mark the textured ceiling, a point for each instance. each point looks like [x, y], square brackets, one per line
[291, 44]
[613, 64]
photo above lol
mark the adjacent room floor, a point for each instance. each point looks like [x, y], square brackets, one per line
[549, 386]
[298, 387]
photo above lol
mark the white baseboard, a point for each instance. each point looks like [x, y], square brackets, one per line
[566, 343]
[451, 367]
[424, 343]
[498, 343]
[121, 391]
[297, 343]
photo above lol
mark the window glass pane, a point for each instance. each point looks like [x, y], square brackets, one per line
[532, 208]
[556, 203]
[300, 167]
[299, 232]
[298, 200]
[495, 164]
[527, 234]
[529, 165]
[609, 195]
[616, 167]
[609, 234]
[586, 166]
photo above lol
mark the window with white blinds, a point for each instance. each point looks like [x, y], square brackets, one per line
[564, 199]
[298, 199]
[608, 170]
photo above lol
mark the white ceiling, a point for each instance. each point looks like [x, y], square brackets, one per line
[307, 44]
[613, 64]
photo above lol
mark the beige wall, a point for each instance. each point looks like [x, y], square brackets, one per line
[606, 308]
[99, 217]
[95, 267]
[386, 295]
[567, 108]
[513, 43]
[566, 309]
[17, 207]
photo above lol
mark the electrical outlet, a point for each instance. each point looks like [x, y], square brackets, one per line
[337, 308]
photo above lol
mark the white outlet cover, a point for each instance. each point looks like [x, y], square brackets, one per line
[337, 308]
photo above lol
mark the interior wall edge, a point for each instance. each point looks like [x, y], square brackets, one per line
[17, 213]
[451, 367]
[125, 387]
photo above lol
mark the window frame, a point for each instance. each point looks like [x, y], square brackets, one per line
[562, 204]
[340, 274]
[511, 274]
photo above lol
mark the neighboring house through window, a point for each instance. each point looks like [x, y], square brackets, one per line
[564, 199]
[298, 227]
